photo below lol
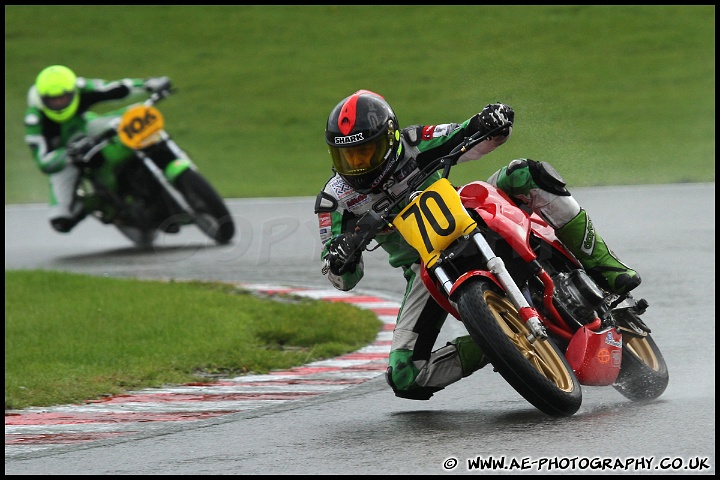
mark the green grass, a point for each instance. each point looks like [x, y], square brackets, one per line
[607, 94]
[93, 336]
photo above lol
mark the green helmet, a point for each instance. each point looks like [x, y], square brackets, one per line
[58, 91]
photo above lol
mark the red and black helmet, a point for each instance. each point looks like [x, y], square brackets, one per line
[364, 140]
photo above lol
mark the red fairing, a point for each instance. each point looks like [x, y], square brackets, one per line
[595, 357]
[543, 230]
[500, 214]
[504, 217]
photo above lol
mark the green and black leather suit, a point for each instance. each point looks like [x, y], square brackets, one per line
[415, 370]
[48, 140]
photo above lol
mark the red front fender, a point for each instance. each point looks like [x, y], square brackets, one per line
[439, 295]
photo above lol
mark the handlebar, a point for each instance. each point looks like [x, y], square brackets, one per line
[372, 223]
[100, 140]
[158, 96]
[445, 163]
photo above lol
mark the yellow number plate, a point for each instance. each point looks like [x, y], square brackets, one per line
[140, 126]
[433, 220]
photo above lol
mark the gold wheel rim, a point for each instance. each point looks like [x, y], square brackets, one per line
[641, 349]
[540, 353]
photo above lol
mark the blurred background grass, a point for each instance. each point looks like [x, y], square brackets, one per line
[608, 94]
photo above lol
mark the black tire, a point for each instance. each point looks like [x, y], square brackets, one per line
[643, 372]
[538, 371]
[214, 219]
[141, 238]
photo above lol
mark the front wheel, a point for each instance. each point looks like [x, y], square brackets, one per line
[213, 217]
[538, 371]
[142, 238]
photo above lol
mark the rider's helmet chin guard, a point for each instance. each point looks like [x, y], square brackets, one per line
[363, 136]
[57, 87]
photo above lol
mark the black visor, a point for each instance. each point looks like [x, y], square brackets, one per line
[59, 102]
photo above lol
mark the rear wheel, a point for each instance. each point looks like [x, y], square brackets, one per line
[213, 217]
[538, 371]
[643, 372]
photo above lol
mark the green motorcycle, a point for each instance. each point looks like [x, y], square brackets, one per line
[147, 183]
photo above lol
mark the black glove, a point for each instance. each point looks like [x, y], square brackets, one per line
[157, 84]
[495, 115]
[340, 252]
[82, 152]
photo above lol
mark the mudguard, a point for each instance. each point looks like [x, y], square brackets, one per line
[441, 298]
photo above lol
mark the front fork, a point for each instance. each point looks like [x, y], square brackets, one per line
[172, 171]
[496, 265]
[162, 180]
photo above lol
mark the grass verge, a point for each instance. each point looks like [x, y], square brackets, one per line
[72, 337]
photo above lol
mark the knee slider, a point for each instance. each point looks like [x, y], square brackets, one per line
[471, 355]
[401, 372]
[547, 178]
[516, 164]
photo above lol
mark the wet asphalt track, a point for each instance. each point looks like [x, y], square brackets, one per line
[666, 232]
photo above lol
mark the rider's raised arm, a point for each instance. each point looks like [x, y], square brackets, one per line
[491, 117]
[96, 90]
[435, 141]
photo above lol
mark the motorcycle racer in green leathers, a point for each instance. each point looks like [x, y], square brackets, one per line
[56, 120]
[373, 159]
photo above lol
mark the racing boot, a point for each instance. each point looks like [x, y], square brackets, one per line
[581, 238]
[65, 223]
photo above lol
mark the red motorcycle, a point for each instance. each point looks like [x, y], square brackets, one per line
[544, 324]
